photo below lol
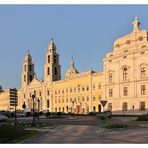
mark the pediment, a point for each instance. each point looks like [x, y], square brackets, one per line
[143, 65]
[35, 82]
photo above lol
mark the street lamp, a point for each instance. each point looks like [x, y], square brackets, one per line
[73, 107]
[33, 97]
[38, 107]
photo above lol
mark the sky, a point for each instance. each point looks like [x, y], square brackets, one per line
[84, 32]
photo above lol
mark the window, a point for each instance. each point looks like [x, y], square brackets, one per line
[110, 78]
[94, 87]
[124, 106]
[59, 91]
[48, 58]
[24, 96]
[143, 72]
[30, 68]
[83, 89]
[62, 100]
[48, 71]
[78, 88]
[55, 59]
[59, 109]
[74, 89]
[87, 99]
[55, 71]
[125, 72]
[55, 100]
[125, 91]
[110, 92]
[143, 89]
[35, 92]
[40, 93]
[142, 106]
[66, 99]
[56, 109]
[63, 91]
[59, 100]
[48, 92]
[109, 106]
[66, 90]
[99, 86]
[94, 108]
[94, 98]
[48, 103]
[55, 92]
[87, 88]
[70, 89]
[30, 78]
[83, 99]
[24, 67]
[63, 109]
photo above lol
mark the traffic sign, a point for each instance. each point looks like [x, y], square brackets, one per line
[103, 102]
[13, 97]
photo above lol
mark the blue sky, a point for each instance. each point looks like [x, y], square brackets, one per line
[86, 32]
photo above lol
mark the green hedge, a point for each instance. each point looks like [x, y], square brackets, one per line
[143, 118]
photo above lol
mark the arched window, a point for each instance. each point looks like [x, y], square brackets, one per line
[48, 58]
[30, 78]
[55, 71]
[125, 73]
[48, 71]
[143, 72]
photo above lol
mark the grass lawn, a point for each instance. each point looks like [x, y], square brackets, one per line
[12, 134]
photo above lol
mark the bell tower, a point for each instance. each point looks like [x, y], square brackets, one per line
[28, 70]
[52, 69]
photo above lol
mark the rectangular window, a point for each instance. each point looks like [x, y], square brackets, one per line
[143, 89]
[124, 106]
[94, 98]
[110, 78]
[40, 93]
[110, 106]
[83, 99]
[48, 103]
[24, 67]
[83, 89]
[87, 99]
[99, 86]
[87, 88]
[94, 87]
[142, 106]
[125, 91]
[110, 92]
[30, 68]
[47, 92]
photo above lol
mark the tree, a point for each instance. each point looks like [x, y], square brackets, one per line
[24, 105]
[1, 89]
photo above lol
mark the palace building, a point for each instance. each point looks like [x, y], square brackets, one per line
[123, 82]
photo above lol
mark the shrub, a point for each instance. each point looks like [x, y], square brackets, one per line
[143, 118]
[36, 114]
[47, 114]
[40, 113]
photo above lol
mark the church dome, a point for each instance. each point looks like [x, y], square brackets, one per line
[72, 71]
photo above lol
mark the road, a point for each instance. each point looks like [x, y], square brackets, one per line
[87, 130]
[83, 134]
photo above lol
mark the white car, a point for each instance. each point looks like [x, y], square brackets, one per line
[3, 118]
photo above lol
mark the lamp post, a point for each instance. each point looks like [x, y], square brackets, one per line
[38, 107]
[73, 107]
[33, 97]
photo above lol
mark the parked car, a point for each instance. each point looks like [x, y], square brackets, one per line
[20, 114]
[7, 114]
[3, 118]
[104, 114]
